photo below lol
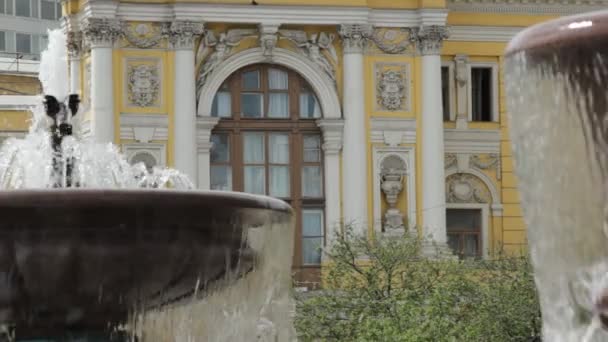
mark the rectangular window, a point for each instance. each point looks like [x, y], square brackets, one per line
[22, 8]
[221, 171]
[481, 93]
[2, 40]
[312, 236]
[24, 43]
[309, 106]
[35, 44]
[58, 10]
[34, 8]
[464, 232]
[252, 105]
[255, 163]
[2, 7]
[278, 99]
[47, 9]
[222, 104]
[279, 164]
[312, 174]
[445, 92]
[9, 6]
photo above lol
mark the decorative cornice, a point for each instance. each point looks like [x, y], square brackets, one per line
[332, 134]
[471, 141]
[430, 39]
[182, 34]
[99, 32]
[355, 36]
[527, 7]
[483, 33]
[393, 131]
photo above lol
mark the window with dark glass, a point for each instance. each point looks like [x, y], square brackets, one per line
[445, 92]
[47, 9]
[481, 93]
[22, 8]
[2, 41]
[464, 232]
[24, 42]
[267, 142]
[2, 7]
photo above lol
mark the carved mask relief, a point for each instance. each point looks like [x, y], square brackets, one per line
[391, 87]
[143, 84]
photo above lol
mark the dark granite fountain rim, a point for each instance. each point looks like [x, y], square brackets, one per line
[571, 32]
[92, 197]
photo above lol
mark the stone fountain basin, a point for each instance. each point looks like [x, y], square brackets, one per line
[83, 259]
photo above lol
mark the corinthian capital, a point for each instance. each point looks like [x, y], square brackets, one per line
[74, 42]
[101, 32]
[430, 39]
[182, 34]
[354, 37]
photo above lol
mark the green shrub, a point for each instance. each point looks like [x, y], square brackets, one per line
[380, 289]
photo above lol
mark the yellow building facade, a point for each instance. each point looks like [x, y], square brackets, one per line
[385, 114]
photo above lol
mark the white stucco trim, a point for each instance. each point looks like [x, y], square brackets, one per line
[485, 218]
[321, 84]
[494, 194]
[483, 33]
[270, 14]
[472, 140]
[19, 102]
[526, 7]
[393, 131]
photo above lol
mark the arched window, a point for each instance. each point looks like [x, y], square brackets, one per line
[267, 142]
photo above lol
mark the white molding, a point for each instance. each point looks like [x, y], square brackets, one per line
[144, 127]
[525, 7]
[388, 130]
[494, 66]
[158, 151]
[270, 14]
[485, 218]
[323, 86]
[408, 154]
[19, 102]
[452, 88]
[483, 33]
[472, 141]
[487, 181]
[11, 134]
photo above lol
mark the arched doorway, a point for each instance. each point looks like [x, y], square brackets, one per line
[267, 142]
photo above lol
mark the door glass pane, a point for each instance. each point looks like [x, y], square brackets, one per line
[311, 250]
[453, 242]
[22, 8]
[311, 181]
[279, 148]
[312, 148]
[463, 219]
[279, 181]
[253, 147]
[312, 222]
[278, 105]
[277, 79]
[255, 180]
[252, 105]
[222, 106]
[251, 80]
[220, 150]
[24, 43]
[309, 106]
[2, 39]
[221, 177]
[470, 248]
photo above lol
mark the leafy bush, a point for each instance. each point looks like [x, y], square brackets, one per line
[380, 289]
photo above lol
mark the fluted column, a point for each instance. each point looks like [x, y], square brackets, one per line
[74, 51]
[354, 156]
[332, 145]
[433, 174]
[181, 37]
[100, 35]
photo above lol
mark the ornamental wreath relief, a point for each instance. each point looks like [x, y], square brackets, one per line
[143, 85]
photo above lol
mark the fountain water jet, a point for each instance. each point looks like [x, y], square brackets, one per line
[556, 76]
[87, 248]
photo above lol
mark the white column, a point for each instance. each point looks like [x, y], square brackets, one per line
[354, 156]
[100, 35]
[204, 125]
[181, 36]
[74, 48]
[332, 144]
[433, 173]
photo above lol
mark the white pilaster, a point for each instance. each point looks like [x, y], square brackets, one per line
[433, 173]
[354, 156]
[332, 144]
[181, 36]
[100, 35]
[74, 50]
[204, 126]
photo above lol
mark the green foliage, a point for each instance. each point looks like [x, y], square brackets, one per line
[380, 289]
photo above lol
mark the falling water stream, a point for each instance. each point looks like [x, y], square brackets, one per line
[256, 306]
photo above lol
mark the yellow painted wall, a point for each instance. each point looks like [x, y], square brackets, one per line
[14, 120]
[19, 84]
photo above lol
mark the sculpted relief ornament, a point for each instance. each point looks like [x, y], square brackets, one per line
[391, 86]
[430, 39]
[466, 188]
[144, 35]
[355, 36]
[318, 47]
[394, 41]
[181, 34]
[391, 178]
[101, 32]
[143, 83]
